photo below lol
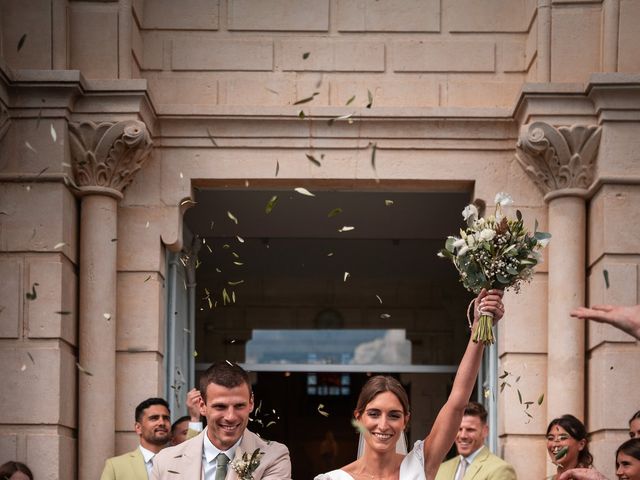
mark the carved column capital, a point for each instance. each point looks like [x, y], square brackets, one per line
[560, 160]
[5, 121]
[106, 156]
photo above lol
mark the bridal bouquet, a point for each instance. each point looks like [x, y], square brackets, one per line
[248, 464]
[494, 252]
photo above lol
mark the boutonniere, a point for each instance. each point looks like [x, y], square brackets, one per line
[246, 465]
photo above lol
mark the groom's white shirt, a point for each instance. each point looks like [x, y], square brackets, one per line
[209, 454]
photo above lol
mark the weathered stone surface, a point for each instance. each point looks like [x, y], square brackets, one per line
[519, 450]
[11, 272]
[576, 42]
[337, 55]
[282, 15]
[441, 56]
[487, 16]
[93, 30]
[138, 376]
[179, 89]
[30, 19]
[415, 91]
[388, 16]
[141, 312]
[629, 37]
[201, 52]
[51, 373]
[184, 15]
[51, 456]
[480, 93]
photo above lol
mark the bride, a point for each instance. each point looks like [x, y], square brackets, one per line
[383, 413]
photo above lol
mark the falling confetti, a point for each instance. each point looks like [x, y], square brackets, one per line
[270, 204]
[385, 316]
[107, 316]
[84, 370]
[213, 140]
[277, 167]
[562, 453]
[313, 160]
[379, 299]
[346, 228]
[147, 279]
[306, 100]
[232, 217]
[32, 295]
[54, 135]
[146, 225]
[304, 191]
[388, 203]
[350, 100]
[305, 55]
[301, 114]
[240, 239]
[541, 399]
[370, 97]
[28, 145]
[346, 275]
[334, 212]
[21, 42]
[342, 117]
[59, 245]
[321, 411]
[605, 273]
[62, 312]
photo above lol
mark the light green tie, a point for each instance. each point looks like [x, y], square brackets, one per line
[221, 466]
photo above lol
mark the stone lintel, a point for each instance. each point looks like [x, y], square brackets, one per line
[558, 103]
[616, 96]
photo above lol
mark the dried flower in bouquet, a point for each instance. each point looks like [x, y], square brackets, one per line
[495, 252]
[247, 464]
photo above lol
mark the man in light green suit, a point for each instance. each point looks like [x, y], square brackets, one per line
[153, 426]
[474, 460]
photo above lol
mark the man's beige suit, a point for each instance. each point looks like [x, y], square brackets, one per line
[486, 466]
[129, 466]
[184, 461]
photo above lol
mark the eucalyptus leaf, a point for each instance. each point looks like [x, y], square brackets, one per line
[232, 217]
[370, 98]
[313, 160]
[270, 204]
[334, 212]
[307, 99]
[520, 397]
[541, 399]
[562, 453]
[605, 274]
[21, 42]
[32, 295]
[350, 100]
[305, 55]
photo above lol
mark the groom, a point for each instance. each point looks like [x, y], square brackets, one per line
[227, 403]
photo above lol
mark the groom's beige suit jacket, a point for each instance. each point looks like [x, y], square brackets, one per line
[184, 461]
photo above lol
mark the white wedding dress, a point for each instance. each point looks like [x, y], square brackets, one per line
[411, 468]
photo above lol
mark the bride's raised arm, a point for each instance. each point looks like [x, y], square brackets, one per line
[444, 430]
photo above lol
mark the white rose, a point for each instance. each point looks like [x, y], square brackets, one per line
[503, 199]
[487, 234]
[470, 212]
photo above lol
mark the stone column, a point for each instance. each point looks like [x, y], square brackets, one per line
[105, 158]
[561, 162]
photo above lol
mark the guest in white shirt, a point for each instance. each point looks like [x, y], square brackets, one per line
[153, 426]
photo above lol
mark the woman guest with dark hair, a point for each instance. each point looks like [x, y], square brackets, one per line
[382, 413]
[628, 460]
[627, 465]
[634, 425]
[15, 471]
[567, 444]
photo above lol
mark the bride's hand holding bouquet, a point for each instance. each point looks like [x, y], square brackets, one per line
[494, 253]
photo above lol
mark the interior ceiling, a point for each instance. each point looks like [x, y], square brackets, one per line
[298, 238]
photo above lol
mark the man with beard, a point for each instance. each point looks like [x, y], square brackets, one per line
[226, 446]
[474, 459]
[153, 426]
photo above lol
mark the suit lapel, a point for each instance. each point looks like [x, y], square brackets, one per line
[477, 464]
[137, 464]
[189, 464]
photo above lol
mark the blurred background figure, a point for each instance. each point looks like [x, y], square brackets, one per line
[634, 425]
[179, 430]
[15, 471]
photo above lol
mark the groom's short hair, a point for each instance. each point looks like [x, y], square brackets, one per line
[225, 374]
[475, 409]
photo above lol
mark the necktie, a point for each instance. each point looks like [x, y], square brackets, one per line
[221, 466]
[461, 470]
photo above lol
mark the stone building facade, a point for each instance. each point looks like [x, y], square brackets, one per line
[114, 114]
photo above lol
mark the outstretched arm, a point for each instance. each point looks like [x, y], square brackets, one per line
[582, 474]
[626, 319]
[447, 423]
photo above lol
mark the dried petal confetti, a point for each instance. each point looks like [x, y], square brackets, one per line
[334, 212]
[305, 55]
[28, 145]
[304, 191]
[350, 100]
[107, 316]
[385, 316]
[84, 370]
[232, 217]
[388, 203]
[321, 411]
[370, 98]
[59, 245]
[240, 239]
[346, 228]
[346, 275]
[379, 299]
